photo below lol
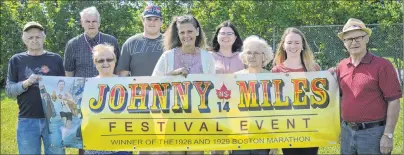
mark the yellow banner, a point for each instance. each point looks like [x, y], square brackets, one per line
[211, 112]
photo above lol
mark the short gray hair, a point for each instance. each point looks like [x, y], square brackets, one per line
[91, 11]
[262, 46]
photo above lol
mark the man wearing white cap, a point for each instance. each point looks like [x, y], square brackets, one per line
[370, 95]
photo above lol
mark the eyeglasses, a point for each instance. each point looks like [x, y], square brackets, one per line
[226, 33]
[103, 60]
[253, 53]
[349, 40]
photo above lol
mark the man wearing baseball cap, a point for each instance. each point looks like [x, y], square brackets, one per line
[22, 82]
[141, 52]
[370, 95]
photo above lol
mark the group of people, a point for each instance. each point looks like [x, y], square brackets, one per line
[370, 90]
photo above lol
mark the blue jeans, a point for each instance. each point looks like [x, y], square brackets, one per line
[362, 141]
[29, 134]
[251, 152]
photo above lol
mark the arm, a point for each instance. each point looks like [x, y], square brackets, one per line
[69, 62]
[61, 69]
[117, 53]
[13, 86]
[391, 91]
[68, 97]
[13, 89]
[393, 112]
[390, 87]
[159, 69]
[124, 60]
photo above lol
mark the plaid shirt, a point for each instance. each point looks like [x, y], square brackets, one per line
[78, 57]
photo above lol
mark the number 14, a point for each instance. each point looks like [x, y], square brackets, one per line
[226, 106]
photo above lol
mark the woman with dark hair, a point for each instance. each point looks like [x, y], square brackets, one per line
[226, 45]
[184, 43]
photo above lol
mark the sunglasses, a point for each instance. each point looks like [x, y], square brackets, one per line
[103, 60]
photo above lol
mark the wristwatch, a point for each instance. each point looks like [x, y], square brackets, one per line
[389, 135]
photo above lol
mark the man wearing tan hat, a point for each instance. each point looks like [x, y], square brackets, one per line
[22, 82]
[370, 95]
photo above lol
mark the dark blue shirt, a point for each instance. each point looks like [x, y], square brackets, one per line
[20, 67]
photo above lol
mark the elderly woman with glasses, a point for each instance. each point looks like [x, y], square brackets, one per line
[104, 60]
[256, 54]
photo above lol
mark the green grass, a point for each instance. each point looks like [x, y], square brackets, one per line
[9, 112]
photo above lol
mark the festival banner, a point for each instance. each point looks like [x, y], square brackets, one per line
[210, 112]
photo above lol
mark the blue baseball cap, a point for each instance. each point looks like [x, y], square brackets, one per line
[152, 11]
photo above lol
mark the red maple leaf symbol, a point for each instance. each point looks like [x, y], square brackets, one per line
[223, 93]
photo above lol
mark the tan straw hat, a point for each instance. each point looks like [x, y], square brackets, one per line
[354, 24]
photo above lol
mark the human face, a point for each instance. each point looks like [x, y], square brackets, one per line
[61, 85]
[90, 23]
[226, 37]
[187, 34]
[152, 25]
[293, 45]
[355, 41]
[254, 58]
[105, 63]
[34, 39]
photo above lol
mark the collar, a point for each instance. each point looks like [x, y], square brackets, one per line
[232, 54]
[94, 38]
[366, 59]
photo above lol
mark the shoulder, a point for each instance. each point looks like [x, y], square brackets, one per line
[381, 61]
[107, 36]
[18, 56]
[75, 39]
[51, 54]
[167, 53]
[344, 61]
[212, 52]
[137, 37]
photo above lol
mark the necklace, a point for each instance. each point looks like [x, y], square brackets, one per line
[89, 45]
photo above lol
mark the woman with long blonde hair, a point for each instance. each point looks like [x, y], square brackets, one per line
[294, 55]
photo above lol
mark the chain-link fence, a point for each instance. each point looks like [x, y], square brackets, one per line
[328, 49]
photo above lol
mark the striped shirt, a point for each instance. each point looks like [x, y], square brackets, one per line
[78, 56]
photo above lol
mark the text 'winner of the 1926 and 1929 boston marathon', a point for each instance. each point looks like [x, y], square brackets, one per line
[202, 112]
